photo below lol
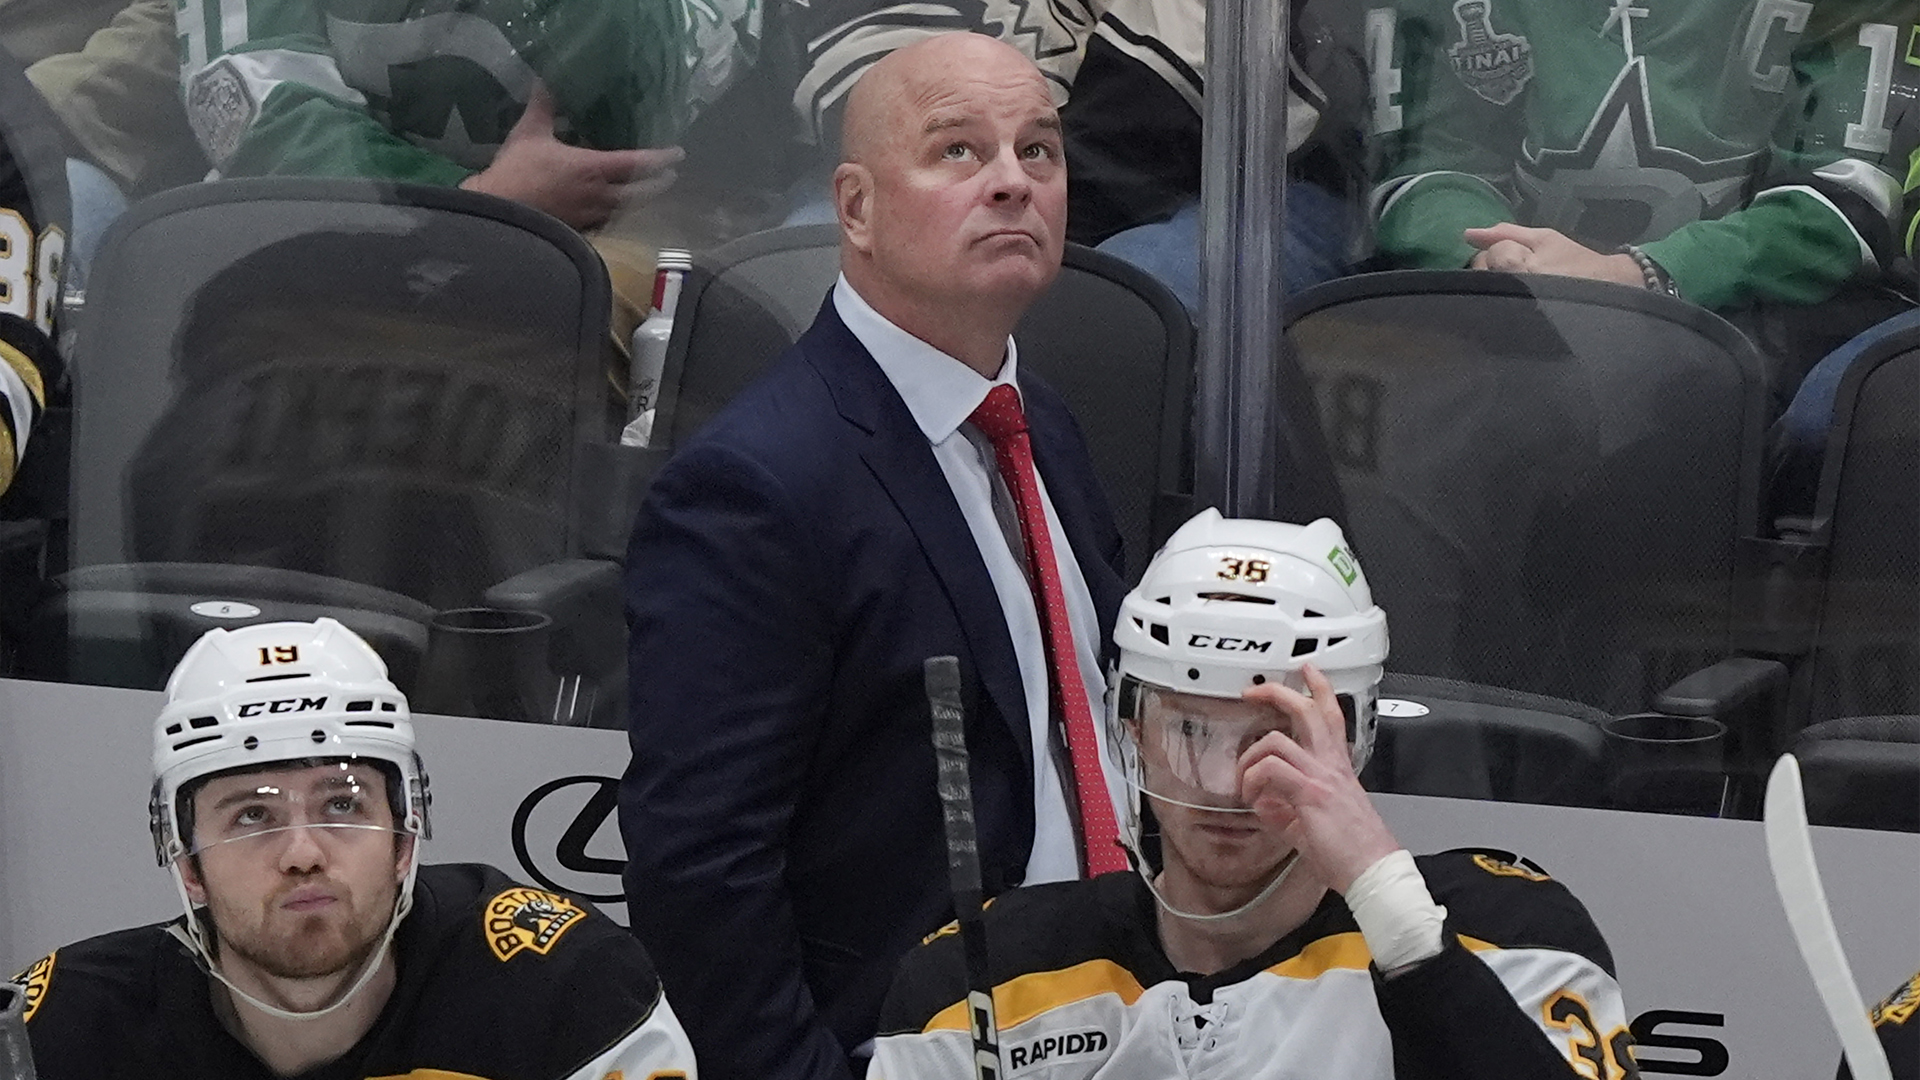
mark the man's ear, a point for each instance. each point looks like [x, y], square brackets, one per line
[190, 877]
[853, 203]
[403, 852]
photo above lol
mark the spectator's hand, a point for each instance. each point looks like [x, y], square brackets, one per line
[1520, 250]
[1306, 783]
[579, 186]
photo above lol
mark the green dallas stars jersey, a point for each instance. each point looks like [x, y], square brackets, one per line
[1746, 144]
[426, 90]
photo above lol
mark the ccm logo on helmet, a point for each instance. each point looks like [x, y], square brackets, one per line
[1056, 1046]
[1227, 644]
[284, 705]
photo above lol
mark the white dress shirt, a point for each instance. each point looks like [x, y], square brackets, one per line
[941, 392]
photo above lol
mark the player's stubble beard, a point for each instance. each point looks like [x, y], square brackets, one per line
[1247, 870]
[308, 945]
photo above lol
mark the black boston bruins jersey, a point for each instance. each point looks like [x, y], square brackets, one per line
[1522, 989]
[496, 981]
[33, 244]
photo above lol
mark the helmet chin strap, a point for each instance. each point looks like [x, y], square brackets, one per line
[1280, 875]
[1286, 870]
[194, 938]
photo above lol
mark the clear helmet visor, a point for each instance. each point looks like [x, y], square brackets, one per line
[334, 807]
[1185, 749]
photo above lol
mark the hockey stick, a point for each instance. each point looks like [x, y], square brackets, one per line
[16, 1054]
[963, 856]
[1797, 877]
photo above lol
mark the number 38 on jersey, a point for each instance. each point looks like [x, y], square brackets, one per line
[30, 269]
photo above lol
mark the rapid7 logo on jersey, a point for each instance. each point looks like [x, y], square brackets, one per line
[30, 270]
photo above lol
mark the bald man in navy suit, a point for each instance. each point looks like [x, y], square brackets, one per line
[839, 522]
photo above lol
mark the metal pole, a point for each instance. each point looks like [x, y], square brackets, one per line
[1242, 218]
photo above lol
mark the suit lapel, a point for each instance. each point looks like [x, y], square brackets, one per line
[897, 453]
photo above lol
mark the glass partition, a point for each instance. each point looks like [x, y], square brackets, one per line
[1595, 321]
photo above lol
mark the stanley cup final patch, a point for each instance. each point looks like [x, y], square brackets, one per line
[1493, 65]
[220, 109]
[527, 920]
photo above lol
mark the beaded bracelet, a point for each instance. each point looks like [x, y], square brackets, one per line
[1656, 277]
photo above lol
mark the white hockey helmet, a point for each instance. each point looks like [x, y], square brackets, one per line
[1231, 603]
[278, 692]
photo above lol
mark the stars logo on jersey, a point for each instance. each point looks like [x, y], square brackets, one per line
[1900, 1007]
[1619, 185]
[34, 981]
[522, 920]
[1493, 65]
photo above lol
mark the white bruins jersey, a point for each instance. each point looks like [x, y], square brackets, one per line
[1523, 989]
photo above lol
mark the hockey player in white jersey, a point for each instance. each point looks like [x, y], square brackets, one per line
[1275, 927]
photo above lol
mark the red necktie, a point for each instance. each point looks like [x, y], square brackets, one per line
[999, 418]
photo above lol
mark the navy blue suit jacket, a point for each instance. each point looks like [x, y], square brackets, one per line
[790, 569]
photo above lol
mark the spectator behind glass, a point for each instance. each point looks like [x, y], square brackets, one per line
[1133, 141]
[1130, 74]
[110, 69]
[569, 106]
[836, 524]
[1743, 150]
[1799, 437]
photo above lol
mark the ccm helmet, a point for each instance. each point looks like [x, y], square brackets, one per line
[277, 692]
[1231, 603]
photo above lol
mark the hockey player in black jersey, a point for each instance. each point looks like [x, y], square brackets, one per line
[290, 805]
[1279, 929]
[33, 244]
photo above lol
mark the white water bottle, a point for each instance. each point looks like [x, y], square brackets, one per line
[650, 346]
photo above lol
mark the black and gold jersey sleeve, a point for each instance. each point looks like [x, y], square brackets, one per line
[1894, 1020]
[1501, 898]
[95, 1007]
[33, 241]
[1524, 986]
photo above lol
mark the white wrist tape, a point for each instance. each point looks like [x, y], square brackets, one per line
[1396, 913]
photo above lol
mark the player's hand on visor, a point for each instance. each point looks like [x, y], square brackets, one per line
[1306, 783]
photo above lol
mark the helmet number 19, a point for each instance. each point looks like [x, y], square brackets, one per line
[280, 654]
